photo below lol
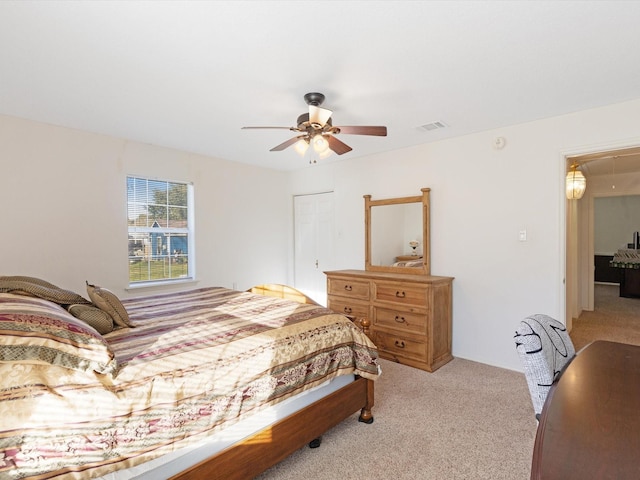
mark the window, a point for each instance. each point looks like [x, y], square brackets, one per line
[160, 223]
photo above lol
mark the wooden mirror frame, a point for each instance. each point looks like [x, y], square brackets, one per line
[426, 247]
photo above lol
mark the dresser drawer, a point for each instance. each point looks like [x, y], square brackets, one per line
[402, 347]
[401, 294]
[344, 305]
[409, 315]
[398, 320]
[348, 288]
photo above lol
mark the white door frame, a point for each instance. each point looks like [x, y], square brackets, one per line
[574, 286]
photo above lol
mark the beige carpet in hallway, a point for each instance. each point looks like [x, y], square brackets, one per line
[465, 421]
[614, 318]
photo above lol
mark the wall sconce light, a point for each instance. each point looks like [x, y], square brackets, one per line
[576, 184]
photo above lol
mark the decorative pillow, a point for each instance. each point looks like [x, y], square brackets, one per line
[36, 287]
[36, 331]
[93, 316]
[24, 278]
[108, 302]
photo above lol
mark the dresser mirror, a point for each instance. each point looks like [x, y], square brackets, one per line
[397, 234]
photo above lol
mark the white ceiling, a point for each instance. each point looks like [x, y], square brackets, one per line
[189, 75]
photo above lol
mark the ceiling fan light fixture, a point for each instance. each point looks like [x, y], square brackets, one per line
[301, 146]
[576, 184]
[319, 116]
[320, 144]
[325, 154]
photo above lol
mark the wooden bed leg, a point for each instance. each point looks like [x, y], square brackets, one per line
[315, 443]
[365, 414]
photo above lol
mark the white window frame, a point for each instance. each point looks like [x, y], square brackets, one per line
[142, 231]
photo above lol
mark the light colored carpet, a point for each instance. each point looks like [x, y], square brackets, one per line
[614, 318]
[465, 421]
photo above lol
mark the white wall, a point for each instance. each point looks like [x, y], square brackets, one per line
[480, 199]
[63, 209]
[615, 221]
[63, 212]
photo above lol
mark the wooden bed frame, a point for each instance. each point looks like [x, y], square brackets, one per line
[282, 291]
[262, 450]
[266, 448]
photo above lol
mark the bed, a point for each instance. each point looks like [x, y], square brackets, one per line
[410, 263]
[205, 383]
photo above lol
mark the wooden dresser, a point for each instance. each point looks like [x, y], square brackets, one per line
[410, 314]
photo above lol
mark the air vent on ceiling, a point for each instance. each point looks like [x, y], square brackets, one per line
[433, 126]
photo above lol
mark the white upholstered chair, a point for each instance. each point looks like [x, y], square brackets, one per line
[545, 348]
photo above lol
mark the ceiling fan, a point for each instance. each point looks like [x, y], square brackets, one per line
[316, 129]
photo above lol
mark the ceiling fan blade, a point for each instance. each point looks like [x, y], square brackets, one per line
[284, 145]
[318, 115]
[254, 128]
[337, 146]
[363, 130]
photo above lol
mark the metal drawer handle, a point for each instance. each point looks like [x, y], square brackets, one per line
[348, 288]
[400, 294]
[347, 309]
[399, 344]
[399, 319]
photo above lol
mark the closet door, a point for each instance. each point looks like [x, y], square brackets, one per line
[313, 242]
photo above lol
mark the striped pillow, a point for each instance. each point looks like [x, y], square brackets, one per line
[36, 331]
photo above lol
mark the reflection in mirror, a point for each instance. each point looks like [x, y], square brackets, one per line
[393, 227]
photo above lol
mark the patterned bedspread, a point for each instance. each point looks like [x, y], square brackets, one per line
[195, 362]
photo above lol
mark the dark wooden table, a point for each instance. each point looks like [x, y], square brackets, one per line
[590, 423]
